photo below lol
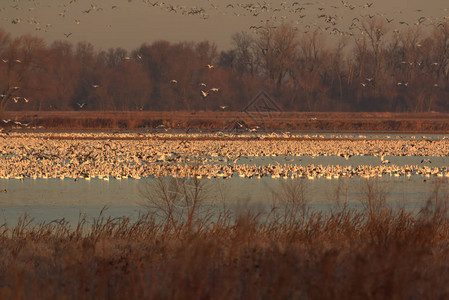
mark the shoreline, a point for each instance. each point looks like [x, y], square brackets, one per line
[342, 122]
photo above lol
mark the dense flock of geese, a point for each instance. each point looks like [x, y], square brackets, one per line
[121, 156]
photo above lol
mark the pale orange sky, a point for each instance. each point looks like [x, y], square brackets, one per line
[128, 24]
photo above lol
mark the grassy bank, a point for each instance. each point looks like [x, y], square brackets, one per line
[286, 252]
[100, 120]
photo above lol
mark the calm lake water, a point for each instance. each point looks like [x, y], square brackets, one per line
[49, 199]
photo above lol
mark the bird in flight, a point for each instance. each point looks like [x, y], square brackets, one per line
[67, 34]
[210, 66]
[81, 105]
[223, 107]
[22, 124]
[204, 93]
[95, 85]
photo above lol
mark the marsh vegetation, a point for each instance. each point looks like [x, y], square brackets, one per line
[287, 251]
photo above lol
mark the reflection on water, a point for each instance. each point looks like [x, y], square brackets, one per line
[49, 199]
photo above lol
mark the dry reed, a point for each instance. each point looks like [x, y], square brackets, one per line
[288, 252]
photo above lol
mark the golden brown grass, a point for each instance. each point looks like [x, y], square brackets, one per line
[77, 120]
[288, 252]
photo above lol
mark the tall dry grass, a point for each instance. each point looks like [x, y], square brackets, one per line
[175, 250]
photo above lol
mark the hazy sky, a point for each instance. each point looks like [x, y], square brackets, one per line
[130, 23]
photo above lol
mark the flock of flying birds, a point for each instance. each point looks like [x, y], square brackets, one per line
[342, 18]
[204, 92]
[12, 89]
[336, 17]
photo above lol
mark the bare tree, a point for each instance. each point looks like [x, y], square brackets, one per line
[65, 73]
[246, 53]
[309, 66]
[178, 202]
[441, 50]
[23, 71]
[374, 30]
[278, 47]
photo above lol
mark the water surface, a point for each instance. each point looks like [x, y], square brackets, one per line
[49, 199]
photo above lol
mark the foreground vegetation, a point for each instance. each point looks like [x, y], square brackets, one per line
[287, 252]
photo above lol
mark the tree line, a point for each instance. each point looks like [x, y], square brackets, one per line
[375, 70]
